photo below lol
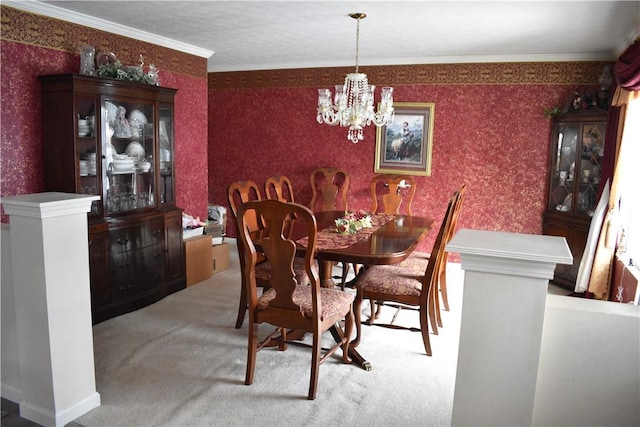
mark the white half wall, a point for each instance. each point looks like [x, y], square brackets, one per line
[589, 370]
[10, 375]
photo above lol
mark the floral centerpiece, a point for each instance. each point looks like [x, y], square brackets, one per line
[352, 222]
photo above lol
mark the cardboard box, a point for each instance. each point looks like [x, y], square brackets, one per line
[197, 258]
[187, 233]
[220, 257]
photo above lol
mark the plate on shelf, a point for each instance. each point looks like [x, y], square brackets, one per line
[139, 116]
[135, 150]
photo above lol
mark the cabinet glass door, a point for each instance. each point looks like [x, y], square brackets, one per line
[129, 144]
[165, 132]
[88, 167]
[590, 164]
[577, 167]
[563, 174]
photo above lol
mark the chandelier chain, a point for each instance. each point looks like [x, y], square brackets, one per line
[357, 42]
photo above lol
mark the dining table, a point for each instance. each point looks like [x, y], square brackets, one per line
[389, 240]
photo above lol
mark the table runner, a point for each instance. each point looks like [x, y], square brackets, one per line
[329, 238]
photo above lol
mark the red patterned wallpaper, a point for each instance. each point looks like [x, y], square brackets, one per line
[492, 136]
[49, 47]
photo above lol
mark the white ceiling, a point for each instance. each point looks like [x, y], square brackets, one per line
[252, 35]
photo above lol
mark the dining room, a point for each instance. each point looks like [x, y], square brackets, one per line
[490, 130]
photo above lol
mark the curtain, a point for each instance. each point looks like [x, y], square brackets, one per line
[627, 75]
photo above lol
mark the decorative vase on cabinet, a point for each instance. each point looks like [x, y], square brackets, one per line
[103, 136]
[577, 150]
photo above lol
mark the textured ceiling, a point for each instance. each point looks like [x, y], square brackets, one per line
[251, 35]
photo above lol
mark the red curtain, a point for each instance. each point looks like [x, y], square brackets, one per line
[627, 75]
[627, 68]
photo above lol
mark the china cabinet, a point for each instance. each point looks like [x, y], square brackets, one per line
[114, 139]
[577, 149]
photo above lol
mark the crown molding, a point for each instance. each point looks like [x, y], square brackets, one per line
[103, 25]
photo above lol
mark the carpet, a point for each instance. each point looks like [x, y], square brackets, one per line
[180, 362]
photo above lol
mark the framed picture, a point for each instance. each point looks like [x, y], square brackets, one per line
[404, 146]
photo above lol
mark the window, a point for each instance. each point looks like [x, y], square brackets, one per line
[629, 244]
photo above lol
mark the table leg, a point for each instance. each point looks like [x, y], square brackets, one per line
[355, 356]
[326, 274]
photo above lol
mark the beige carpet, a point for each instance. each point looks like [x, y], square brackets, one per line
[180, 362]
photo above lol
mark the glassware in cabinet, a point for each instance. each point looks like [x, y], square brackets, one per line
[165, 134]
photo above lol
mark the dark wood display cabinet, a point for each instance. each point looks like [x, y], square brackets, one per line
[114, 139]
[577, 149]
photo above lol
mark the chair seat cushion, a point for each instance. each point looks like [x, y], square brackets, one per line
[263, 271]
[416, 261]
[334, 302]
[392, 280]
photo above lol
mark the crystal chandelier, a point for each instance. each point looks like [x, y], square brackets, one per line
[354, 100]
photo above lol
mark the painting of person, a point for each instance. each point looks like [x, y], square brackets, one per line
[404, 142]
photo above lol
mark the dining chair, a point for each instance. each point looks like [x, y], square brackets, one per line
[289, 304]
[240, 192]
[404, 288]
[392, 193]
[419, 260]
[279, 187]
[329, 188]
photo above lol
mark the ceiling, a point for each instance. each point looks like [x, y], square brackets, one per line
[253, 35]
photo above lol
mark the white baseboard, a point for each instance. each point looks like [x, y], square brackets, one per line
[47, 418]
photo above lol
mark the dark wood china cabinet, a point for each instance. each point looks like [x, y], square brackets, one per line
[114, 139]
[577, 149]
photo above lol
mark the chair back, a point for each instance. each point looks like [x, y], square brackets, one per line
[329, 187]
[279, 250]
[462, 191]
[438, 253]
[390, 193]
[279, 188]
[239, 193]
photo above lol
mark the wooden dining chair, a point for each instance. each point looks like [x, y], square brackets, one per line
[238, 193]
[289, 304]
[419, 260]
[404, 288]
[279, 187]
[329, 188]
[392, 193]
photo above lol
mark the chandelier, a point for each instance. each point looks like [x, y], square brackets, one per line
[354, 100]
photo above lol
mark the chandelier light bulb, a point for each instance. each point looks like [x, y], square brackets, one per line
[353, 102]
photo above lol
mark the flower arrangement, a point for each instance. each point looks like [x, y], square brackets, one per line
[116, 70]
[352, 222]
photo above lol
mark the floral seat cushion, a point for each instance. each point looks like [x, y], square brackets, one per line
[334, 302]
[416, 261]
[392, 280]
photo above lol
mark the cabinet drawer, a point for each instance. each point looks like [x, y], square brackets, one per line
[137, 271]
[139, 236]
[137, 261]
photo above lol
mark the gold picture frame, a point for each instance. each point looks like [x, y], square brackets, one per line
[404, 146]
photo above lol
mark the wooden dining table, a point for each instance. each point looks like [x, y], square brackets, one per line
[390, 240]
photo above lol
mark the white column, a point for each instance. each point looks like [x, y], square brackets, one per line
[50, 267]
[505, 289]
